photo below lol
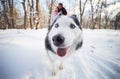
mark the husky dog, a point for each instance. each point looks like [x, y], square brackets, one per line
[64, 37]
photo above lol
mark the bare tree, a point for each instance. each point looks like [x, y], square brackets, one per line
[50, 4]
[91, 3]
[96, 8]
[25, 14]
[11, 6]
[4, 2]
[31, 11]
[38, 14]
[82, 9]
[98, 11]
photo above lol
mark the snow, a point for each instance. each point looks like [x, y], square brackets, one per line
[23, 56]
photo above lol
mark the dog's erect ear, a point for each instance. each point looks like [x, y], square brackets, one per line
[51, 25]
[58, 16]
[74, 17]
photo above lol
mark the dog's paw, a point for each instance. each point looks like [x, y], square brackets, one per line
[61, 67]
[53, 73]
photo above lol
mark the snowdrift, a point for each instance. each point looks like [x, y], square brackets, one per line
[23, 56]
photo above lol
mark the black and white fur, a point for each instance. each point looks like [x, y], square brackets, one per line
[69, 28]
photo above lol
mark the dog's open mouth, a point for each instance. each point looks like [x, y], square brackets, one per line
[62, 51]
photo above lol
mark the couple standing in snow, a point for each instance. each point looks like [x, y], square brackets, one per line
[59, 10]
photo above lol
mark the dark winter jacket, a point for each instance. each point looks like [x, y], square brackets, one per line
[63, 10]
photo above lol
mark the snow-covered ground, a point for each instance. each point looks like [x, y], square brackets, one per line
[23, 56]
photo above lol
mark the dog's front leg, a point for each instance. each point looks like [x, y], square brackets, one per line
[54, 69]
[61, 67]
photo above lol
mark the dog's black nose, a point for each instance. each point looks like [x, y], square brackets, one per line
[58, 40]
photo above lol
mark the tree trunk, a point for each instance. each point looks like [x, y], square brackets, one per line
[100, 15]
[116, 23]
[80, 12]
[31, 5]
[38, 14]
[106, 22]
[50, 7]
[5, 15]
[50, 11]
[11, 5]
[82, 9]
[25, 14]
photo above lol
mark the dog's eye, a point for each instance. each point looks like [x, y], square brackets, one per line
[72, 26]
[56, 25]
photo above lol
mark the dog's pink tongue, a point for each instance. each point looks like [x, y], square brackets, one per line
[61, 51]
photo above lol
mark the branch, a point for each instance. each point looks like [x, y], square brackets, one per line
[97, 4]
[47, 2]
[54, 1]
[84, 7]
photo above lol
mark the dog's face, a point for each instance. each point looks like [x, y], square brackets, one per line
[64, 36]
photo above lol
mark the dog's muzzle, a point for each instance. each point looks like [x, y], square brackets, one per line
[58, 40]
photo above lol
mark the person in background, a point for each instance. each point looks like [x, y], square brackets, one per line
[56, 11]
[62, 9]
[59, 10]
